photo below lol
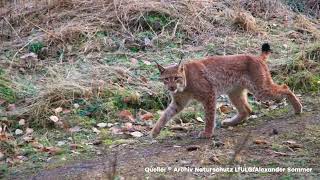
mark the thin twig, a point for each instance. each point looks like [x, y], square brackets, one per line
[6, 20]
[14, 56]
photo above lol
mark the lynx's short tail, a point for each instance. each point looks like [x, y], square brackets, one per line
[265, 51]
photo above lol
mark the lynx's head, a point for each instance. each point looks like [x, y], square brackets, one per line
[173, 77]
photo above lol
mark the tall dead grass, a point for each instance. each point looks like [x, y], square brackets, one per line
[64, 85]
[64, 21]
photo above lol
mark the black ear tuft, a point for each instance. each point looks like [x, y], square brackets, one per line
[266, 48]
[161, 68]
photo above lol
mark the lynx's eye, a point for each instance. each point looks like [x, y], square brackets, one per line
[177, 78]
[165, 79]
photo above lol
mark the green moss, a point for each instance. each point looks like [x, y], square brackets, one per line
[313, 52]
[36, 47]
[155, 20]
[305, 81]
[165, 133]
[6, 91]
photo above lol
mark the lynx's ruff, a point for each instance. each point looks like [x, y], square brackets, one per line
[204, 80]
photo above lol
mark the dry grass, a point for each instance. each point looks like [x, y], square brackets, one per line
[65, 21]
[63, 86]
[265, 8]
[302, 23]
[245, 21]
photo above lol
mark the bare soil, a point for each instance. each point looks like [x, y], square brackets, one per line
[131, 161]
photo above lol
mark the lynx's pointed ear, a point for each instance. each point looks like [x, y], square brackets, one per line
[161, 68]
[180, 66]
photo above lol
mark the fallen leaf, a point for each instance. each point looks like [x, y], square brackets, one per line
[260, 141]
[18, 131]
[54, 118]
[144, 79]
[66, 111]
[52, 150]
[193, 148]
[58, 110]
[36, 145]
[11, 107]
[225, 109]
[102, 125]
[146, 116]
[22, 122]
[115, 130]
[27, 138]
[215, 159]
[74, 146]
[134, 61]
[292, 144]
[136, 134]
[199, 119]
[125, 114]
[29, 55]
[128, 127]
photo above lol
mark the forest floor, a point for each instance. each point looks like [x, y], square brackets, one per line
[79, 88]
[278, 140]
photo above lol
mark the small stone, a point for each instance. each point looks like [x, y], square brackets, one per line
[275, 131]
[76, 105]
[136, 134]
[185, 162]
[97, 142]
[22, 158]
[18, 132]
[61, 143]
[2, 157]
[230, 128]
[22, 122]
[102, 125]
[199, 119]
[193, 148]
[75, 129]
[96, 130]
[54, 118]
[29, 131]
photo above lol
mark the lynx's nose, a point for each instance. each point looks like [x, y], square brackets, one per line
[171, 88]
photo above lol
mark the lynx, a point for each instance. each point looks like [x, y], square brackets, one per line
[204, 80]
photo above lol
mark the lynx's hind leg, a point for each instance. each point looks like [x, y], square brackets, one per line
[239, 99]
[277, 92]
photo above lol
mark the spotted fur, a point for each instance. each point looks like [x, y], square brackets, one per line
[204, 80]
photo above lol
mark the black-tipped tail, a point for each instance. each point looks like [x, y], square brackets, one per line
[266, 48]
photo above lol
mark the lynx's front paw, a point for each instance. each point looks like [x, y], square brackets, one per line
[205, 135]
[155, 132]
[297, 108]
